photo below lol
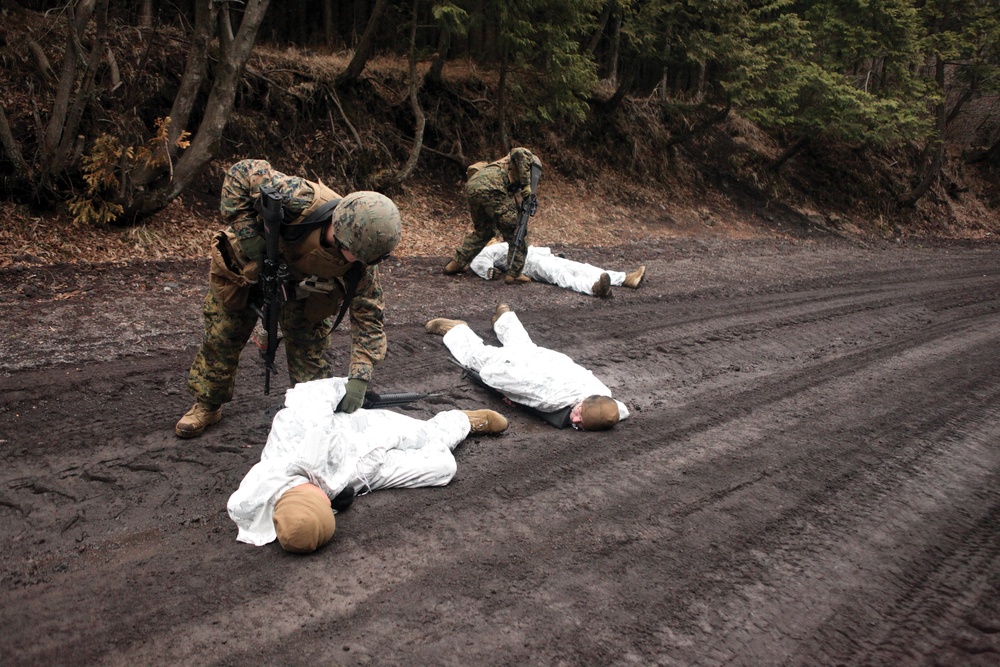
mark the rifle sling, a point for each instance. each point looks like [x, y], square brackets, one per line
[351, 278]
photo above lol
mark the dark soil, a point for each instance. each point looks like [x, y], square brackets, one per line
[811, 474]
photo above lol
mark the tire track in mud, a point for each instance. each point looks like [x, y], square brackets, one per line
[504, 572]
[811, 508]
[462, 566]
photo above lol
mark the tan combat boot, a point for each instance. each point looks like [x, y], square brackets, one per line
[452, 268]
[441, 325]
[197, 419]
[486, 421]
[501, 309]
[602, 287]
[520, 279]
[635, 278]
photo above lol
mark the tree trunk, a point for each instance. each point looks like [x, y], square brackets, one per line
[11, 147]
[205, 22]
[364, 49]
[935, 164]
[329, 33]
[444, 45]
[602, 24]
[502, 102]
[78, 19]
[791, 151]
[616, 41]
[609, 106]
[418, 113]
[233, 54]
[62, 137]
[146, 14]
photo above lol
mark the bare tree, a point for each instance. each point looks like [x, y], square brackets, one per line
[418, 112]
[365, 47]
[150, 191]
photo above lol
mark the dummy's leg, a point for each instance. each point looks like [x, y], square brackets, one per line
[305, 343]
[577, 276]
[421, 457]
[510, 331]
[468, 348]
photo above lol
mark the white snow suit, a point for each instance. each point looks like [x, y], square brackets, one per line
[367, 449]
[524, 372]
[545, 267]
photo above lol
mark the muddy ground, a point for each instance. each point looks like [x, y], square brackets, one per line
[811, 475]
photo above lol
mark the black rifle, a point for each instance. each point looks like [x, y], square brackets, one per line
[273, 277]
[529, 205]
[374, 400]
[559, 418]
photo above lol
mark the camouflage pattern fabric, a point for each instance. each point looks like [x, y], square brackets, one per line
[493, 207]
[213, 373]
[240, 192]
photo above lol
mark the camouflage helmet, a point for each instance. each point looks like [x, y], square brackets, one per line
[523, 156]
[368, 225]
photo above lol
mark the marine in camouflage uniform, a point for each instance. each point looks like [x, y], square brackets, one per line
[491, 189]
[320, 275]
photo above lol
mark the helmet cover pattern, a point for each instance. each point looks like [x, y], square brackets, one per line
[368, 225]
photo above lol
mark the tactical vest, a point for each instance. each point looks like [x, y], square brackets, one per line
[319, 271]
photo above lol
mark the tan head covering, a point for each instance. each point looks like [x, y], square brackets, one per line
[598, 413]
[303, 519]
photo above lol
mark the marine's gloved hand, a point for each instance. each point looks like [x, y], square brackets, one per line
[355, 396]
[525, 192]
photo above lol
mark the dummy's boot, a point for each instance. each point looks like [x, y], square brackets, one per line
[635, 278]
[486, 421]
[452, 268]
[602, 287]
[197, 419]
[519, 279]
[441, 325]
[501, 309]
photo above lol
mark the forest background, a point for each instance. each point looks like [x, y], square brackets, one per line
[871, 119]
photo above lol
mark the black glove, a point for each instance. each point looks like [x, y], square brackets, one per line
[354, 398]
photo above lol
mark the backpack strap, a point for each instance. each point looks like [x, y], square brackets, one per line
[319, 217]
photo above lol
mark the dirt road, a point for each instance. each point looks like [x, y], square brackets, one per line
[811, 475]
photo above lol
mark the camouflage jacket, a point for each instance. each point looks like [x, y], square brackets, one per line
[367, 308]
[509, 174]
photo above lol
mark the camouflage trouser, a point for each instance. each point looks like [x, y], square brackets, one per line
[492, 212]
[213, 373]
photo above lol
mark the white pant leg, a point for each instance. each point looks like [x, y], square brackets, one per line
[446, 428]
[431, 465]
[421, 457]
[577, 276]
[468, 348]
[510, 331]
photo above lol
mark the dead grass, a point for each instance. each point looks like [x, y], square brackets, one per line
[435, 216]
